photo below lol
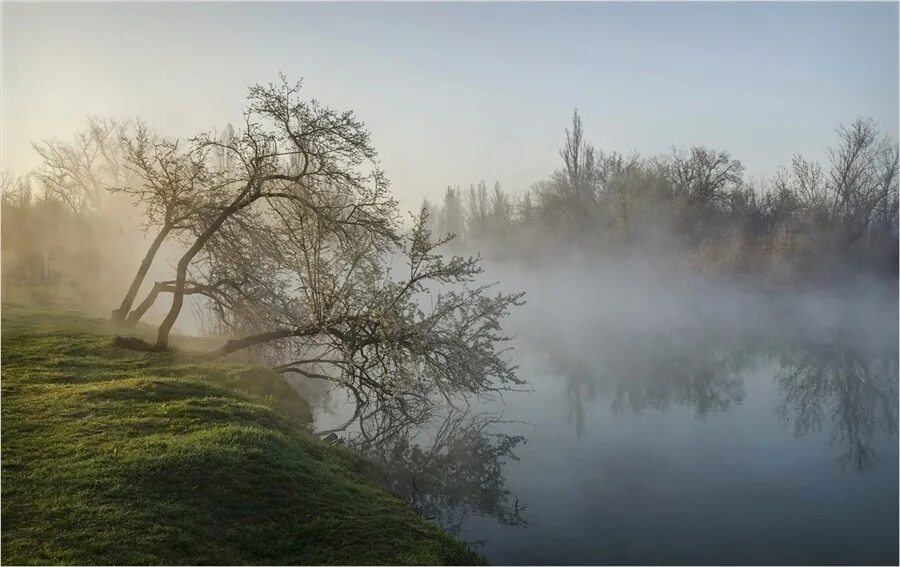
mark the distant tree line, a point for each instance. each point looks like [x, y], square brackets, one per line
[810, 221]
[51, 251]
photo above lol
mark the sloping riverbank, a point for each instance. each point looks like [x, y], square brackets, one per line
[113, 456]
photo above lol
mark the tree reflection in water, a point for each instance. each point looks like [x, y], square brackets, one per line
[448, 467]
[851, 390]
[855, 393]
[653, 373]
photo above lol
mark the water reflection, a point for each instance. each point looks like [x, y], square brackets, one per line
[850, 389]
[637, 373]
[621, 490]
[448, 467]
[854, 393]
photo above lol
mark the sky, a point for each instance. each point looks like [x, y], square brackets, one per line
[454, 93]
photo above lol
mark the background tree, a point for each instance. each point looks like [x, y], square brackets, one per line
[478, 209]
[695, 207]
[579, 175]
[80, 172]
[452, 214]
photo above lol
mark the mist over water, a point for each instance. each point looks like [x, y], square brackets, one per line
[669, 418]
[700, 383]
[624, 295]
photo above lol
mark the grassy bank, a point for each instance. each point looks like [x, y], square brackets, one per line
[112, 456]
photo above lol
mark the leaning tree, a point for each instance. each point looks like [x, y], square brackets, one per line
[172, 187]
[292, 237]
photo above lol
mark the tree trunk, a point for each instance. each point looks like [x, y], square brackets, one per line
[145, 305]
[162, 334]
[158, 288]
[238, 344]
[118, 315]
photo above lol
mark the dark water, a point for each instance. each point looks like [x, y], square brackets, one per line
[689, 439]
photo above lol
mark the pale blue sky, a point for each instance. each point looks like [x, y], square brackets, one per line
[454, 93]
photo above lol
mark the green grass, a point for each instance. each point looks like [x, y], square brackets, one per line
[112, 456]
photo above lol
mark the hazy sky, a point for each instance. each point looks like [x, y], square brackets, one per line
[455, 93]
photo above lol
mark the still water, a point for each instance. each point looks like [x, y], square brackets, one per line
[693, 428]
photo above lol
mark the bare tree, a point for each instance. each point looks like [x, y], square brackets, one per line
[172, 190]
[15, 190]
[80, 172]
[580, 163]
[501, 208]
[452, 216]
[478, 205]
[701, 182]
[292, 246]
[862, 179]
[114, 156]
[294, 151]
[333, 311]
[704, 175]
[854, 196]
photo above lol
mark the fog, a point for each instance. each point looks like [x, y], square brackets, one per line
[639, 354]
[581, 283]
[635, 355]
[583, 302]
[662, 408]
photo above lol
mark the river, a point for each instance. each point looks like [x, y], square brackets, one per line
[668, 421]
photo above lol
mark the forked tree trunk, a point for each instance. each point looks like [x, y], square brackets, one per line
[119, 315]
[162, 334]
[165, 328]
[146, 304]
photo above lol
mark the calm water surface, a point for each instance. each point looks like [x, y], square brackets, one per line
[651, 437]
